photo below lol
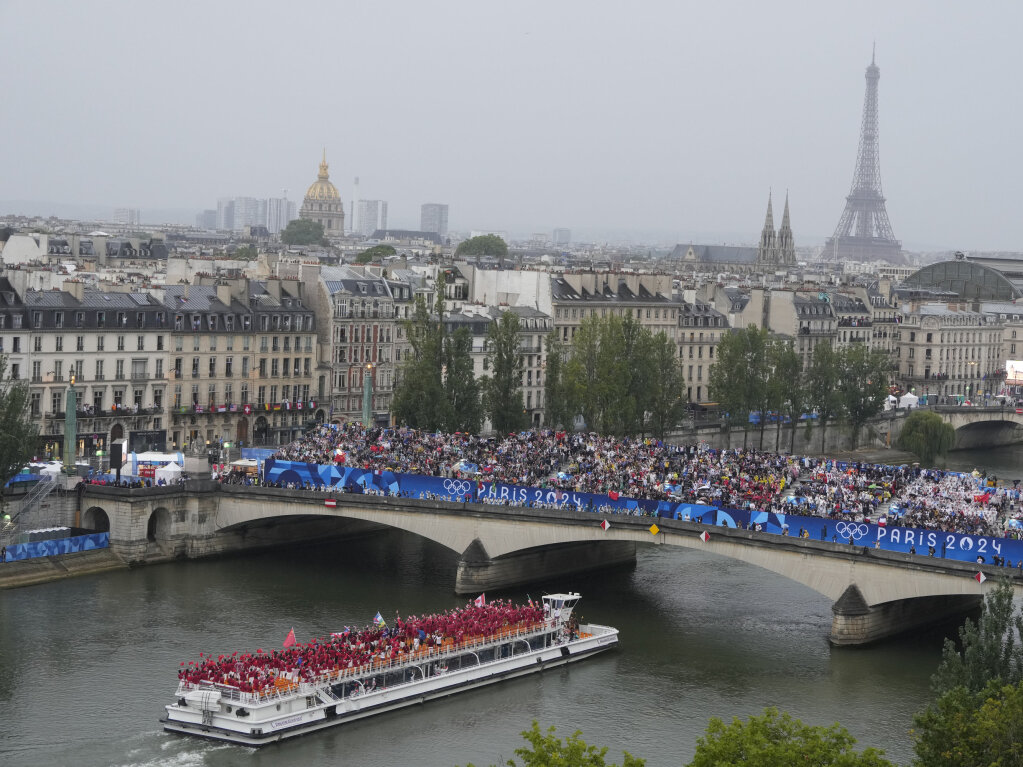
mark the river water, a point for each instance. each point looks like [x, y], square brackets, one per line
[87, 664]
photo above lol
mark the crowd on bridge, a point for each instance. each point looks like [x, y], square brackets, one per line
[359, 649]
[653, 469]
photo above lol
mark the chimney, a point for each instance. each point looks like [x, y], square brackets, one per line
[224, 293]
[76, 288]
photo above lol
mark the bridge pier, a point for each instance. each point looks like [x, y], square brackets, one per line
[854, 622]
[477, 572]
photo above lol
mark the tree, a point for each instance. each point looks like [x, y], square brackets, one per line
[302, 231]
[789, 388]
[555, 397]
[927, 435]
[977, 717]
[245, 253]
[484, 245]
[419, 397]
[822, 378]
[18, 429]
[377, 252]
[502, 390]
[666, 401]
[547, 750]
[738, 378]
[464, 409]
[862, 385]
[777, 740]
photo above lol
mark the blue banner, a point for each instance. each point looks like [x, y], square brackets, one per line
[57, 546]
[967, 548]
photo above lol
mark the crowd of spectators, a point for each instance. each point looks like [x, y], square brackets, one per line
[358, 649]
[656, 470]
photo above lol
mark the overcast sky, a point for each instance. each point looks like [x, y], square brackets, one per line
[667, 119]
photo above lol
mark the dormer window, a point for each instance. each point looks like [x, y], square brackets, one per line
[58, 319]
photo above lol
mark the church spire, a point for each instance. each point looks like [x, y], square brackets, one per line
[786, 241]
[766, 251]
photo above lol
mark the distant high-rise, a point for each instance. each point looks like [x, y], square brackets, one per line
[562, 236]
[370, 215]
[323, 204]
[864, 232]
[433, 217]
[206, 219]
[128, 216]
[225, 213]
[279, 212]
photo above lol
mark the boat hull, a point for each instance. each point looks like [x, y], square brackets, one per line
[328, 712]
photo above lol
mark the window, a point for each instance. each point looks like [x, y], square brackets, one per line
[15, 371]
[99, 370]
[138, 370]
[37, 319]
[177, 395]
[119, 370]
[262, 367]
[37, 344]
[16, 344]
[140, 343]
[274, 367]
[286, 371]
[245, 394]
[59, 343]
[79, 319]
[159, 343]
[122, 319]
[120, 343]
[157, 400]
[56, 404]
[245, 367]
[34, 404]
[37, 371]
[195, 367]
[228, 393]
[178, 344]
[137, 396]
[213, 367]
[211, 394]
[80, 344]
[159, 368]
[58, 370]
[228, 364]
[261, 395]
[195, 343]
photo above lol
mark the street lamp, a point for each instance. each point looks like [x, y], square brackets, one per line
[367, 395]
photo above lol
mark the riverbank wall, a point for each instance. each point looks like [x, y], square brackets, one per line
[32, 572]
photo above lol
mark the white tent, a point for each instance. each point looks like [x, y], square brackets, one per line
[890, 401]
[908, 400]
[171, 472]
[51, 470]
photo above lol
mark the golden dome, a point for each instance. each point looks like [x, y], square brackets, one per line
[322, 189]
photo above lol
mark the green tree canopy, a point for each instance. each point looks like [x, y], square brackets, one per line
[739, 378]
[927, 435]
[822, 378]
[484, 245]
[547, 750]
[777, 740]
[376, 253]
[666, 400]
[502, 390]
[301, 231]
[18, 429]
[862, 385]
[555, 397]
[245, 253]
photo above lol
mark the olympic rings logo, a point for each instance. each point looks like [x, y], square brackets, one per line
[851, 530]
[456, 486]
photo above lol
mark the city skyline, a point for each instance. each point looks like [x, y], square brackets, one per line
[565, 118]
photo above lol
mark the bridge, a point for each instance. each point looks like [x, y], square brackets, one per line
[980, 427]
[876, 593]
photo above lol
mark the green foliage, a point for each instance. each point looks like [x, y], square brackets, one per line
[302, 232]
[778, 740]
[666, 403]
[18, 430]
[926, 435]
[789, 387]
[376, 253]
[862, 385]
[484, 245]
[964, 728]
[555, 396]
[822, 378]
[437, 389]
[988, 650]
[502, 392]
[739, 378]
[245, 253]
[547, 750]
[611, 377]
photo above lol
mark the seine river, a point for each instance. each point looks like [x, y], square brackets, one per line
[87, 664]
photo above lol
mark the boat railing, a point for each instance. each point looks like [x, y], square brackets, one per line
[283, 687]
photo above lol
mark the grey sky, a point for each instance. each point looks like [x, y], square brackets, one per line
[668, 118]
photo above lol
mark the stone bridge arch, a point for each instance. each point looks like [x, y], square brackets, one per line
[96, 519]
[158, 526]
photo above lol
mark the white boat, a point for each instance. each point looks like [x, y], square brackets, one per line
[295, 705]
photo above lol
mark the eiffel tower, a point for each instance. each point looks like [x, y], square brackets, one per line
[864, 232]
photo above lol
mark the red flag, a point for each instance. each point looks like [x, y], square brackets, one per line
[980, 577]
[480, 600]
[289, 640]
[613, 495]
